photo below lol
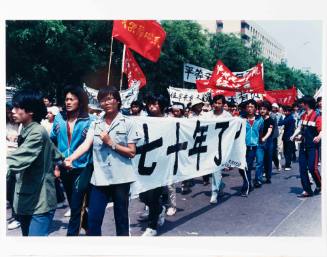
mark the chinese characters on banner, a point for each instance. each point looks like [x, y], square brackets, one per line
[184, 96]
[174, 150]
[133, 70]
[249, 81]
[193, 73]
[143, 36]
[127, 96]
[241, 97]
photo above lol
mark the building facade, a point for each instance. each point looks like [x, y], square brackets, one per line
[248, 31]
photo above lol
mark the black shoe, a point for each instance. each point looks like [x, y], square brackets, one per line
[244, 194]
[304, 195]
[185, 190]
[317, 191]
[257, 184]
[268, 181]
[205, 183]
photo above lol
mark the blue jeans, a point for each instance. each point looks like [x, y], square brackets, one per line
[264, 161]
[308, 159]
[36, 224]
[75, 200]
[247, 176]
[99, 198]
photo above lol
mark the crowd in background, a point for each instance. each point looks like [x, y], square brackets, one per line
[84, 155]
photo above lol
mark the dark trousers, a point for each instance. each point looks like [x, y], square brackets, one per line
[11, 183]
[275, 152]
[288, 152]
[246, 175]
[308, 159]
[36, 224]
[99, 198]
[59, 192]
[206, 178]
[267, 160]
[152, 199]
[75, 199]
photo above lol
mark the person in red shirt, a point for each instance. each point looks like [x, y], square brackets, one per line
[309, 134]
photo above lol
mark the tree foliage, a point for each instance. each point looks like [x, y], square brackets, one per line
[48, 55]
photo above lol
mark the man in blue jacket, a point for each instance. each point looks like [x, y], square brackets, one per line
[68, 133]
[289, 127]
[253, 128]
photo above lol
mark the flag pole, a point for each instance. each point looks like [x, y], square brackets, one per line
[110, 57]
[122, 68]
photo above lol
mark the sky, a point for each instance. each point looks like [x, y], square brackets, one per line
[302, 41]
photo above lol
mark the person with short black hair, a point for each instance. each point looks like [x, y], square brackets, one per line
[289, 127]
[218, 112]
[253, 127]
[113, 137]
[68, 132]
[265, 147]
[155, 106]
[309, 134]
[136, 108]
[34, 161]
[48, 101]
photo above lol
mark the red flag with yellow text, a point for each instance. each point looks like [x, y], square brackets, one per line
[143, 36]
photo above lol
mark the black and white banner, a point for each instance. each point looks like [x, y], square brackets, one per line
[184, 96]
[127, 96]
[193, 72]
[174, 150]
[241, 97]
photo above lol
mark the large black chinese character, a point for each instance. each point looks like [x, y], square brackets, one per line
[176, 148]
[238, 133]
[147, 147]
[198, 74]
[188, 70]
[198, 148]
[223, 126]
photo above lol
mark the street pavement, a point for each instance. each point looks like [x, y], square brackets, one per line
[272, 210]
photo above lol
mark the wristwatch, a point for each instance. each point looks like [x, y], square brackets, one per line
[113, 146]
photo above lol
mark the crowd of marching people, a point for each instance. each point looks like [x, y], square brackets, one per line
[84, 154]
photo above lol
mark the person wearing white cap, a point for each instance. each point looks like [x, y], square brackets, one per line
[197, 111]
[48, 122]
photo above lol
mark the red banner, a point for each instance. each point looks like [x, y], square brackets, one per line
[284, 97]
[250, 81]
[133, 70]
[143, 36]
[205, 86]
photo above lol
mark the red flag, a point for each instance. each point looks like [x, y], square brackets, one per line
[205, 86]
[248, 81]
[143, 36]
[269, 98]
[133, 70]
[284, 97]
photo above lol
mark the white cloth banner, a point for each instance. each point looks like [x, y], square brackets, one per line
[127, 96]
[174, 150]
[193, 72]
[299, 94]
[181, 95]
[243, 97]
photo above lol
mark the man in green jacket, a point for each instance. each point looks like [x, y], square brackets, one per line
[34, 160]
